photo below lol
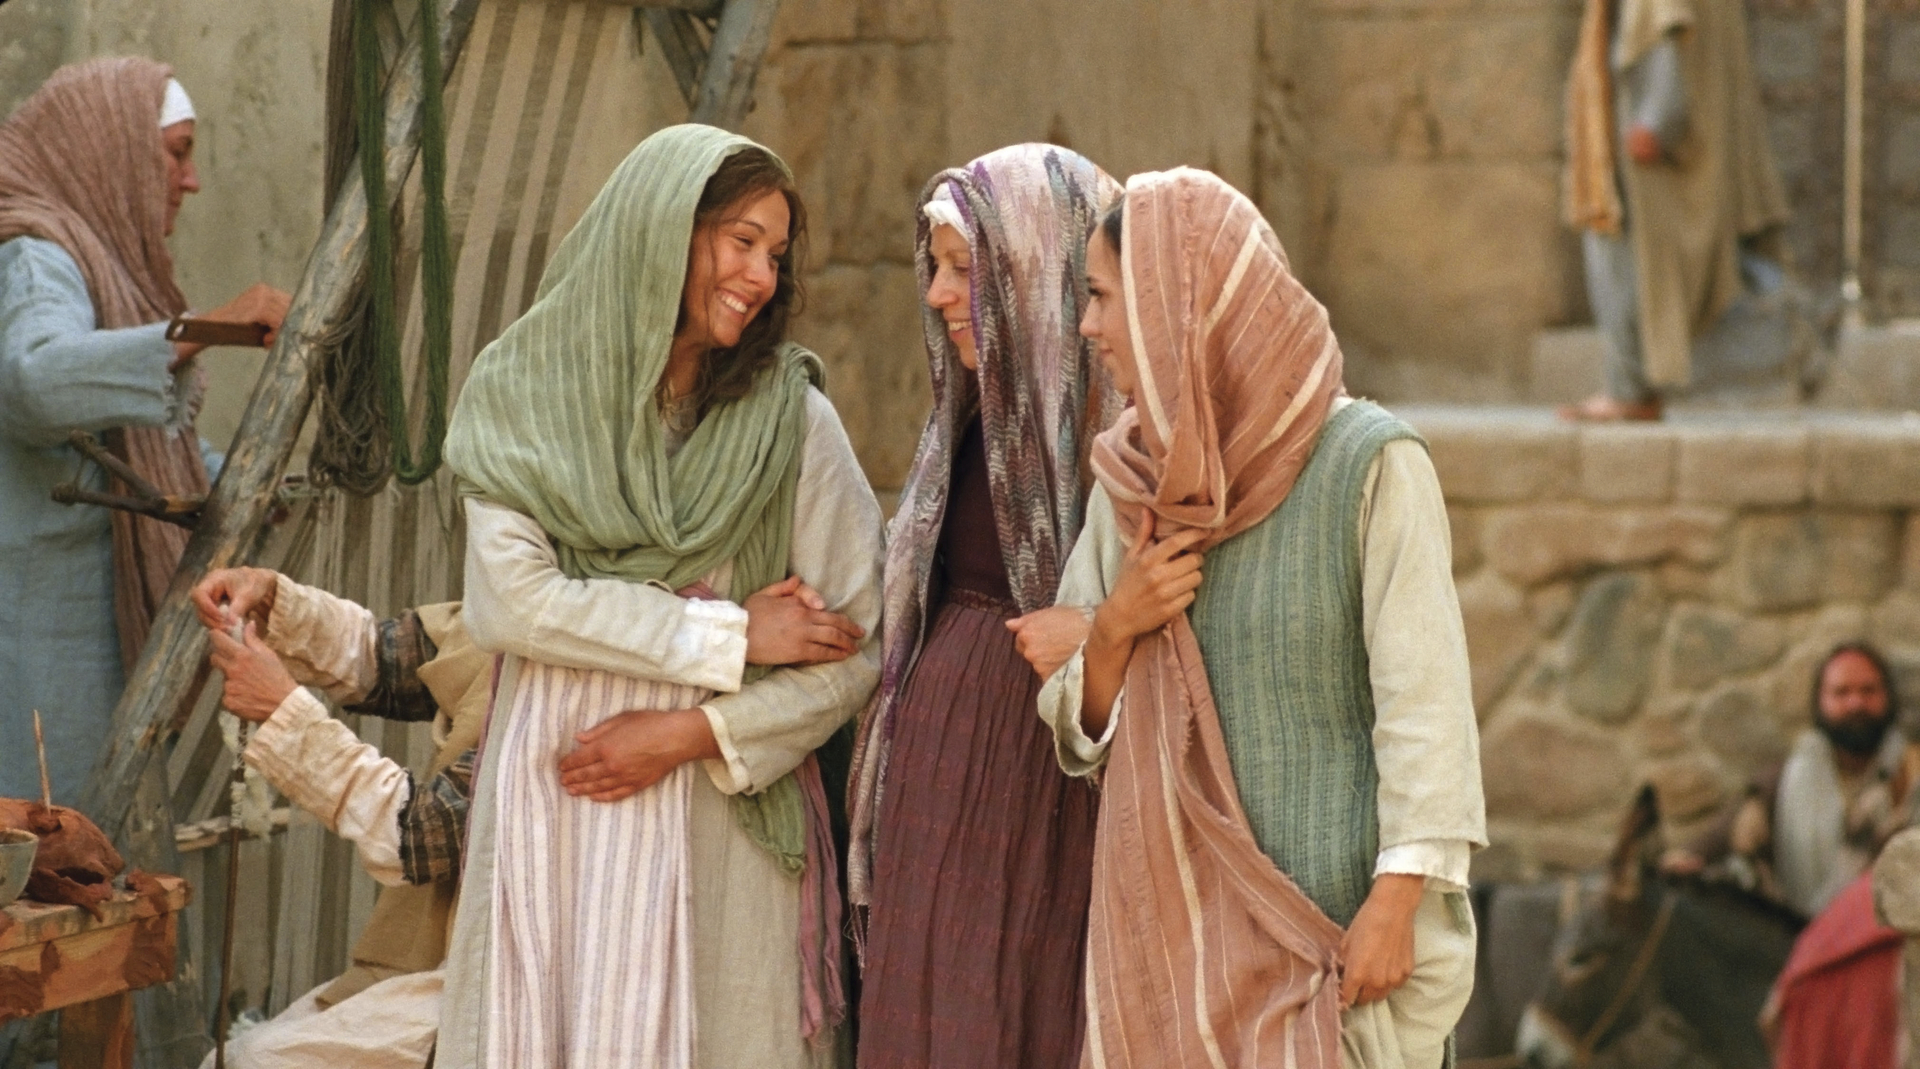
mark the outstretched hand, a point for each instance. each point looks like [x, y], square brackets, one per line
[788, 623]
[258, 305]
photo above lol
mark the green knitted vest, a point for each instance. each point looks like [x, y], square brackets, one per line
[1279, 623]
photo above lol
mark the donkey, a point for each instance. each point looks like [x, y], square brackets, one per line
[1705, 953]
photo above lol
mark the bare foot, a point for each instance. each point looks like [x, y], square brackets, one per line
[1603, 409]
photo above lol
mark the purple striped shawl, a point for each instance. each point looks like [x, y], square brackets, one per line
[1042, 395]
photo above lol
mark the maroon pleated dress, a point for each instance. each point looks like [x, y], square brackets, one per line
[983, 856]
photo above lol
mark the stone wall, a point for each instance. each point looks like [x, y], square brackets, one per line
[1430, 207]
[1647, 604]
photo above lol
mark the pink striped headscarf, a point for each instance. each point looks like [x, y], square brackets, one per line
[1200, 951]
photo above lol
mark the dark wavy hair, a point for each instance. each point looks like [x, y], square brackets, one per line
[728, 374]
[1114, 223]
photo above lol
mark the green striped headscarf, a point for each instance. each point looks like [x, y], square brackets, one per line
[558, 421]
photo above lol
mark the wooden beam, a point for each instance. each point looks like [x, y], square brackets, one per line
[733, 61]
[239, 504]
[683, 45]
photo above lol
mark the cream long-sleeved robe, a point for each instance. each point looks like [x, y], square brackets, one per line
[1425, 739]
[322, 766]
[745, 909]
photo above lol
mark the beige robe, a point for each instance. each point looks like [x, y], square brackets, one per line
[1684, 216]
[745, 910]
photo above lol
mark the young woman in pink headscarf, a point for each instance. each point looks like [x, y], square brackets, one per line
[1275, 681]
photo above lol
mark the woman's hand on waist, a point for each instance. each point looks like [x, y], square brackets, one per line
[631, 751]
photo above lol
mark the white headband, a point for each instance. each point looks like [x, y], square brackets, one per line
[940, 209]
[175, 107]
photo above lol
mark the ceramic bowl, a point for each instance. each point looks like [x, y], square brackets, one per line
[16, 862]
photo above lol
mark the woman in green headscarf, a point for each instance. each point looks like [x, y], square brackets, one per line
[650, 878]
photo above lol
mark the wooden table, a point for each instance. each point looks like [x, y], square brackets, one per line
[61, 958]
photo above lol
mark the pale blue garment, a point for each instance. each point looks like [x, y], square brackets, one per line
[59, 650]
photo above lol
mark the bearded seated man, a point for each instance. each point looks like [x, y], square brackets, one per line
[1806, 835]
[1811, 825]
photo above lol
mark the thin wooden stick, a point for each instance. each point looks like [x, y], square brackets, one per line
[40, 744]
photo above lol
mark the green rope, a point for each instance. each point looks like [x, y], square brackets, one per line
[436, 266]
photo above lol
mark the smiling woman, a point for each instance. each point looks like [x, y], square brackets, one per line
[749, 231]
[650, 878]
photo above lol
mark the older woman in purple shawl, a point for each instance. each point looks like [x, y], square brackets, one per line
[972, 853]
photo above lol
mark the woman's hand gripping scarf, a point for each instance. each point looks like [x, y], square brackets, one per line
[1200, 951]
[1026, 212]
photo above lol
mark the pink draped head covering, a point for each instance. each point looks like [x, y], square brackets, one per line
[1200, 951]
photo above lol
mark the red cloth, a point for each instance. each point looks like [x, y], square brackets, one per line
[1839, 996]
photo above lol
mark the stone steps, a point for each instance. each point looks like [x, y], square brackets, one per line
[1780, 457]
[1868, 367]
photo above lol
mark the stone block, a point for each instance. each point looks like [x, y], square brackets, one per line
[1610, 646]
[1896, 882]
[1664, 729]
[1500, 634]
[903, 20]
[1706, 645]
[1408, 285]
[818, 22]
[1682, 580]
[1533, 545]
[1785, 50]
[1860, 553]
[1567, 364]
[1134, 84]
[865, 324]
[1549, 768]
[1872, 465]
[1792, 560]
[1550, 606]
[1777, 561]
[835, 113]
[1896, 619]
[1501, 462]
[1687, 787]
[33, 40]
[1626, 463]
[1428, 88]
[1739, 723]
[1744, 465]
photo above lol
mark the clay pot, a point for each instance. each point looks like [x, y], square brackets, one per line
[17, 848]
[75, 863]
